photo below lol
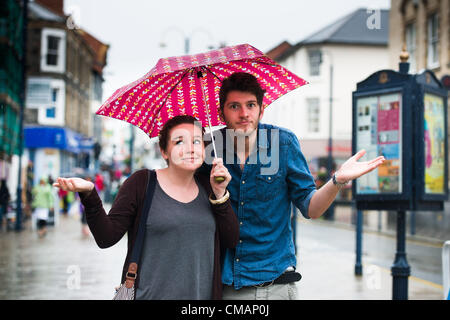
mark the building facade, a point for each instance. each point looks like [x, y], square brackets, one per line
[11, 85]
[64, 77]
[423, 27]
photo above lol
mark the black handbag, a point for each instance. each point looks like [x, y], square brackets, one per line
[126, 291]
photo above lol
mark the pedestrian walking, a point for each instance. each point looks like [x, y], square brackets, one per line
[63, 196]
[99, 184]
[4, 200]
[190, 220]
[42, 203]
[268, 172]
[28, 188]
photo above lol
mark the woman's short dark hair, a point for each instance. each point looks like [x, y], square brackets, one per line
[172, 123]
[244, 82]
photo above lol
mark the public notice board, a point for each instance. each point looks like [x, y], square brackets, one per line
[434, 144]
[379, 132]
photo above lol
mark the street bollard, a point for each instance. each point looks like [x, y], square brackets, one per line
[446, 269]
[359, 229]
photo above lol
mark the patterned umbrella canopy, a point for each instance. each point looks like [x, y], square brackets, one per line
[190, 85]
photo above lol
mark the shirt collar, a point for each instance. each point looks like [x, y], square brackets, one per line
[262, 141]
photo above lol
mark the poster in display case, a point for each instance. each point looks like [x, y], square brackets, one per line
[434, 144]
[379, 132]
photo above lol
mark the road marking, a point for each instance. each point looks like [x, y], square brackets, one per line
[341, 225]
[423, 281]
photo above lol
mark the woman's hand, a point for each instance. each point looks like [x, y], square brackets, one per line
[74, 184]
[219, 170]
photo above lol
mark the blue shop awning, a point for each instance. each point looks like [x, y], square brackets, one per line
[57, 138]
[87, 144]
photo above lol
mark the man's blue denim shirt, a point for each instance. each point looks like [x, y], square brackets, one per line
[261, 195]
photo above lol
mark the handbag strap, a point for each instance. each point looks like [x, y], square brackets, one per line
[137, 248]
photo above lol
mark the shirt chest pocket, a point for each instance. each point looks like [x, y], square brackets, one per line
[268, 186]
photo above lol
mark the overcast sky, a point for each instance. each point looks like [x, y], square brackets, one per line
[134, 29]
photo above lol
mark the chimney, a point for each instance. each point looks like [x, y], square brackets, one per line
[57, 6]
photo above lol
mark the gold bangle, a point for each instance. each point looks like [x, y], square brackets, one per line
[221, 200]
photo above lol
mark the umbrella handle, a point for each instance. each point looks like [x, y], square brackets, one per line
[199, 76]
[219, 179]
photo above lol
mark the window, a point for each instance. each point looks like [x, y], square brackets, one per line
[53, 50]
[313, 114]
[410, 36]
[315, 59]
[48, 96]
[433, 42]
[55, 95]
[38, 92]
[50, 112]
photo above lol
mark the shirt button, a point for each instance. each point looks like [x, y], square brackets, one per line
[242, 203]
[240, 241]
[243, 182]
[240, 223]
[269, 178]
[237, 260]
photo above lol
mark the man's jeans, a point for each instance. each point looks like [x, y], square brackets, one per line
[271, 292]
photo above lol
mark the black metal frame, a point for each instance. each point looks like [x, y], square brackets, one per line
[401, 84]
[421, 195]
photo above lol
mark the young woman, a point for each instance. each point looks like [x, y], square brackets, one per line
[189, 221]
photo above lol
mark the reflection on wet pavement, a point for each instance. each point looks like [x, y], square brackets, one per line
[63, 265]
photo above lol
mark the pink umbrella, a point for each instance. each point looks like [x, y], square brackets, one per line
[189, 85]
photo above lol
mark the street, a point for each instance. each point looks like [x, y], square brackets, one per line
[64, 265]
[326, 258]
[69, 266]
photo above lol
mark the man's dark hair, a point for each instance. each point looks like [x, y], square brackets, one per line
[241, 81]
[172, 123]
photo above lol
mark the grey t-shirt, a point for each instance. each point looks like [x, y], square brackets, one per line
[177, 257]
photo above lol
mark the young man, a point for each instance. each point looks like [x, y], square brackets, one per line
[268, 172]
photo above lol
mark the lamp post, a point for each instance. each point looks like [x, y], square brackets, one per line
[187, 37]
[330, 211]
[330, 125]
[401, 270]
[18, 226]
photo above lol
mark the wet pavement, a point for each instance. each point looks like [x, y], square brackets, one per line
[326, 258]
[67, 265]
[64, 264]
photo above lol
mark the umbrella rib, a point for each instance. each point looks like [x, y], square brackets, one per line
[207, 69]
[167, 97]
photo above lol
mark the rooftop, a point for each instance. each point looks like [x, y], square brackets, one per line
[39, 11]
[352, 29]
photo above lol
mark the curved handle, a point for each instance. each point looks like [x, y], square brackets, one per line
[219, 179]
